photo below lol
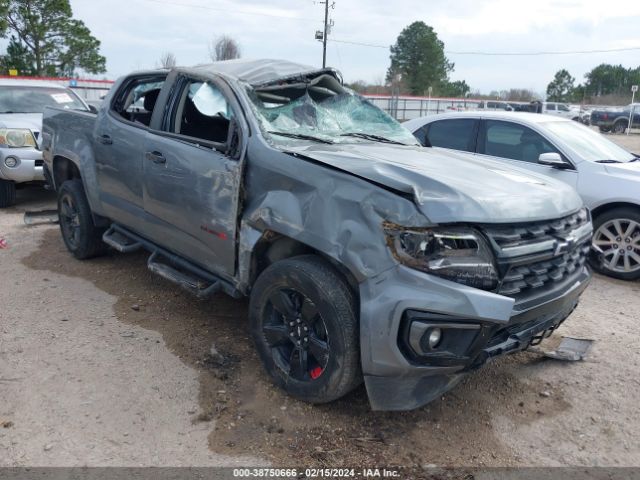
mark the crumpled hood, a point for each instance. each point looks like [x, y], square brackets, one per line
[32, 121]
[450, 186]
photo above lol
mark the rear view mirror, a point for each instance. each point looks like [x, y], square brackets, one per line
[552, 159]
[93, 109]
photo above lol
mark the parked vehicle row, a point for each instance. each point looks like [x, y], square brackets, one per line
[21, 107]
[604, 174]
[365, 255]
[550, 108]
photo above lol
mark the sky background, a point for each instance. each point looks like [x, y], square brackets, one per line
[134, 34]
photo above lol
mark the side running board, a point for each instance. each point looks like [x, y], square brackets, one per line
[186, 279]
[192, 278]
[116, 238]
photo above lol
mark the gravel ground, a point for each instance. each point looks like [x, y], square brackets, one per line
[102, 363]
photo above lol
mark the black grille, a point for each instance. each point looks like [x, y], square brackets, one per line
[535, 257]
[523, 278]
[516, 235]
[39, 163]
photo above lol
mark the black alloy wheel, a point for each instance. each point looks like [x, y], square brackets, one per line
[296, 334]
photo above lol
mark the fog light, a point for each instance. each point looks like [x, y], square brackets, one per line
[11, 162]
[434, 337]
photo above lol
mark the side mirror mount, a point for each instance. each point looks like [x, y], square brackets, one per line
[552, 159]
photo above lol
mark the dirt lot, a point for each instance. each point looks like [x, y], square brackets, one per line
[102, 363]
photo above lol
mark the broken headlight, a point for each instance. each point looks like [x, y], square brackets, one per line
[459, 254]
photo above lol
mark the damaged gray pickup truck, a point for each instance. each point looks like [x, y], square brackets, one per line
[365, 256]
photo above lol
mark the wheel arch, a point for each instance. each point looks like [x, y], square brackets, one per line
[64, 169]
[607, 207]
[272, 247]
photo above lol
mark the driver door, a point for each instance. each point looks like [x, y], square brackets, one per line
[192, 178]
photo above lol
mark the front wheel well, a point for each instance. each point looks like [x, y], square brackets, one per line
[596, 212]
[63, 170]
[273, 247]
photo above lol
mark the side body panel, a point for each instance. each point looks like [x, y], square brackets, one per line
[69, 134]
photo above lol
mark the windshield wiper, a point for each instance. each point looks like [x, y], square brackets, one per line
[608, 161]
[300, 136]
[371, 136]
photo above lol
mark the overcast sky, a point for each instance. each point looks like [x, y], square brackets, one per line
[134, 33]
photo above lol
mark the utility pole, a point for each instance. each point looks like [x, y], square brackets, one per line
[322, 35]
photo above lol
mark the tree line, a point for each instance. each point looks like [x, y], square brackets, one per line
[603, 84]
[46, 41]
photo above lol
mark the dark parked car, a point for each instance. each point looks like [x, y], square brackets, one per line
[616, 120]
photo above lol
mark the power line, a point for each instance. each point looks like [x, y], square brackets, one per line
[452, 52]
[233, 11]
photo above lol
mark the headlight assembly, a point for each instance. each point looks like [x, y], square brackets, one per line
[17, 137]
[459, 254]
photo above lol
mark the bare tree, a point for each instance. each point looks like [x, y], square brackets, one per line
[167, 60]
[224, 48]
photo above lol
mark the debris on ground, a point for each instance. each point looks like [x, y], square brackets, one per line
[3, 243]
[569, 350]
[40, 216]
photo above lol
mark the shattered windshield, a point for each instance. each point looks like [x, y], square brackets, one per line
[324, 111]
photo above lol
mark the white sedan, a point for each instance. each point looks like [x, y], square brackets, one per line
[604, 174]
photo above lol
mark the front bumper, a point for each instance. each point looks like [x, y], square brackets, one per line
[29, 168]
[479, 324]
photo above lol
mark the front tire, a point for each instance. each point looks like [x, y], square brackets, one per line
[616, 240]
[7, 193]
[82, 238]
[303, 318]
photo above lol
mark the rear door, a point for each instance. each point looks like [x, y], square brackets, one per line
[520, 146]
[119, 136]
[453, 133]
[192, 173]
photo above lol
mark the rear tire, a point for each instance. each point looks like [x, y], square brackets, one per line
[620, 127]
[617, 234]
[81, 237]
[303, 318]
[7, 193]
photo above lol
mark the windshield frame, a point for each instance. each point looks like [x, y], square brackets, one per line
[251, 93]
[567, 137]
[49, 90]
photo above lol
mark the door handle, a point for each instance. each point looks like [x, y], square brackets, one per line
[105, 139]
[156, 157]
